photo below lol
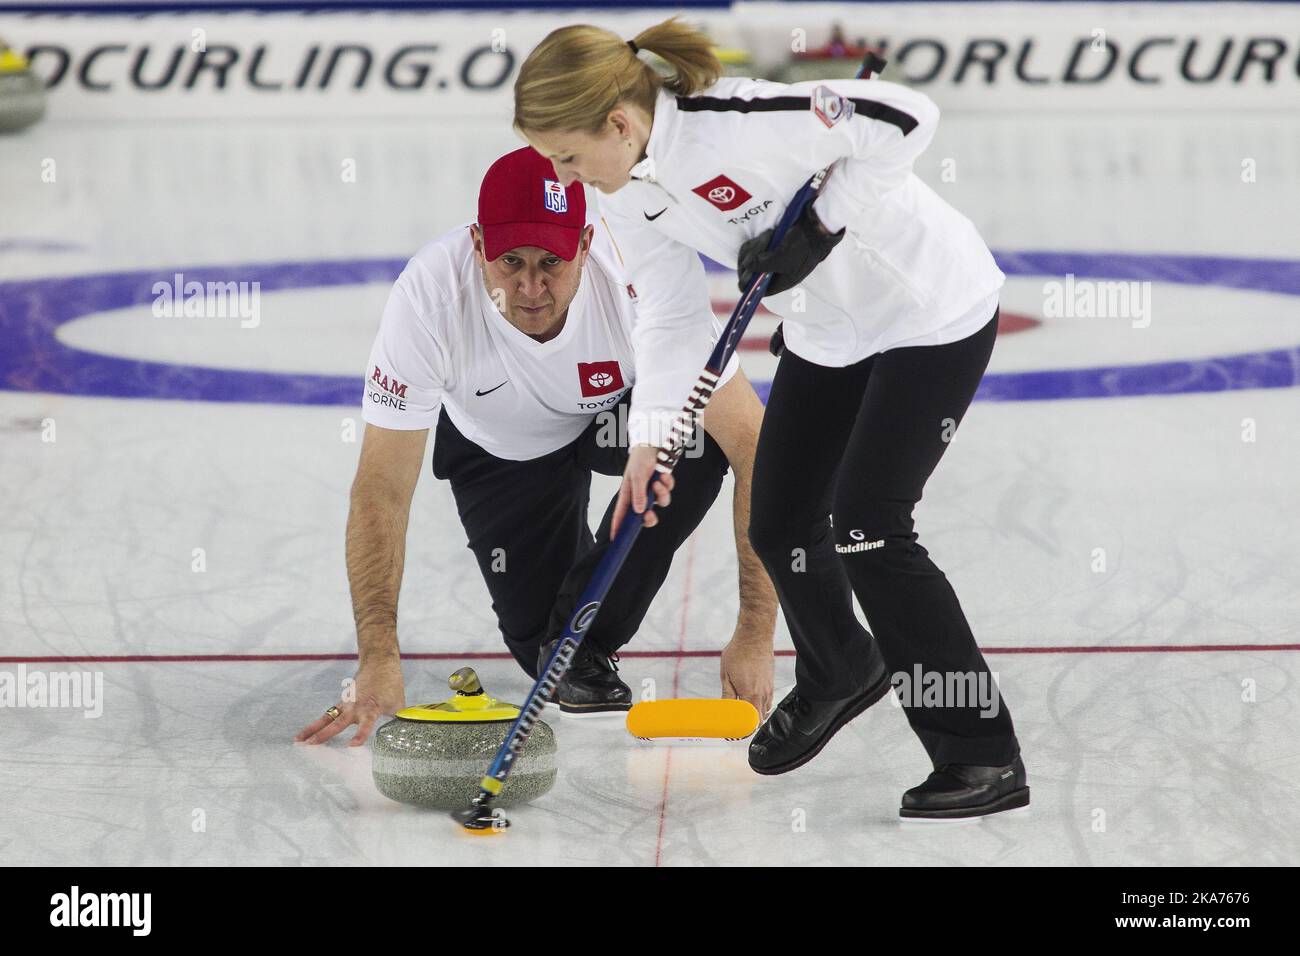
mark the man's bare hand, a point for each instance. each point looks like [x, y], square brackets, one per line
[378, 691]
[747, 671]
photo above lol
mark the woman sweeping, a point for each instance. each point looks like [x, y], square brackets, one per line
[890, 305]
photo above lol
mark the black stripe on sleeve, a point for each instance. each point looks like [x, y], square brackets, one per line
[872, 109]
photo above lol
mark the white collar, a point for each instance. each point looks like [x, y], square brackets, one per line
[644, 170]
[664, 116]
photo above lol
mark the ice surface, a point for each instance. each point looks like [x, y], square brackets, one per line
[1170, 756]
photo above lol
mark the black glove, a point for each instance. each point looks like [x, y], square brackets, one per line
[804, 245]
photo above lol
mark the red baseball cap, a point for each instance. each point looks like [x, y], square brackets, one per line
[521, 203]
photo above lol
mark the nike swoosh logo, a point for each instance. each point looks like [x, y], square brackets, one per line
[650, 218]
[490, 390]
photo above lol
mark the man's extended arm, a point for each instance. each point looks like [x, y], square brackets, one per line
[733, 419]
[376, 549]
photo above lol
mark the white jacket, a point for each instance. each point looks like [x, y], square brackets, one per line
[720, 168]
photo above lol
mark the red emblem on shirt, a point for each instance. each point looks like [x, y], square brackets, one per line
[723, 193]
[599, 378]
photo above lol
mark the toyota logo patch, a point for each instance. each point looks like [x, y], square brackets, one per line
[724, 193]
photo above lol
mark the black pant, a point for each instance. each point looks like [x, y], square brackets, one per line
[527, 525]
[857, 445]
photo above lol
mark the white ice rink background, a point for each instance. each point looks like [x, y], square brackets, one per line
[1119, 514]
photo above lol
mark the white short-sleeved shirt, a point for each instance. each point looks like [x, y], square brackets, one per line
[443, 343]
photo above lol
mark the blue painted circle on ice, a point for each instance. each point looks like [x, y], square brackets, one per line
[34, 360]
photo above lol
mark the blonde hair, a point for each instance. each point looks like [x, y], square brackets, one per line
[574, 77]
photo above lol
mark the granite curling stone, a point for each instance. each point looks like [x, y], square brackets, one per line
[434, 755]
[22, 93]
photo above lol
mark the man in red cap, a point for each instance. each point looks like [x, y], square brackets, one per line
[513, 338]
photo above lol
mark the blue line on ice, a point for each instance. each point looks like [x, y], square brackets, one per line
[34, 360]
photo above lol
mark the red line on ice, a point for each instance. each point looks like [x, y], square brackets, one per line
[668, 655]
[677, 669]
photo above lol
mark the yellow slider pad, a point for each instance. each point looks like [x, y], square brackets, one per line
[692, 718]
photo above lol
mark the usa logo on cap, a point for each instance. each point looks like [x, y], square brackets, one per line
[556, 200]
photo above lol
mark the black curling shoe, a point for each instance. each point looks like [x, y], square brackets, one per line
[799, 728]
[960, 791]
[592, 686]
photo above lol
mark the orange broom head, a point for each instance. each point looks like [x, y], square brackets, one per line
[692, 718]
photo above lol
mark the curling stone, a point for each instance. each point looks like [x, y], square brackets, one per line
[22, 93]
[434, 755]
